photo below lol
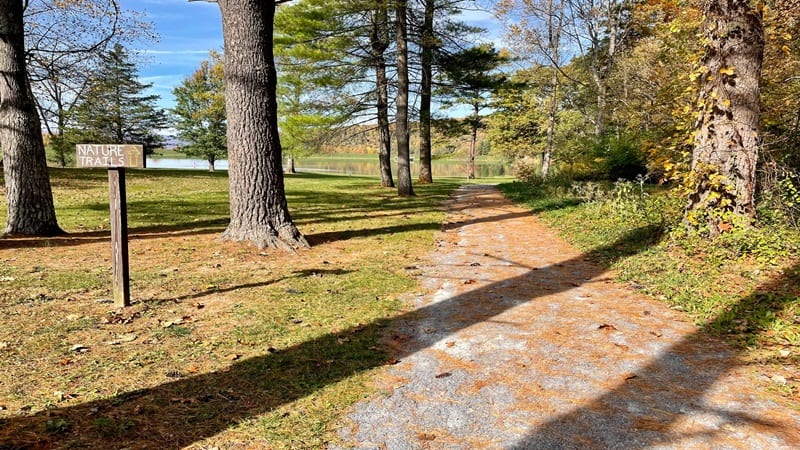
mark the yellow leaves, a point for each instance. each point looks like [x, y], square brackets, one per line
[727, 71]
[726, 103]
[786, 50]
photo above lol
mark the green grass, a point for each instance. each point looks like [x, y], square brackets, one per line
[230, 344]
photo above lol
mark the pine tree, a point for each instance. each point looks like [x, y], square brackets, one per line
[115, 109]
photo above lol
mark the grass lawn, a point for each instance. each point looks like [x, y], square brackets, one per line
[224, 344]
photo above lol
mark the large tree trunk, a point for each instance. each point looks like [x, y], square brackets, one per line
[27, 183]
[404, 187]
[426, 61]
[379, 40]
[258, 209]
[727, 140]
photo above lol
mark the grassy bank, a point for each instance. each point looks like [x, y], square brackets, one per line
[224, 345]
[742, 286]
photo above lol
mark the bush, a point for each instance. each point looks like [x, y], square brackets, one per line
[617, 158]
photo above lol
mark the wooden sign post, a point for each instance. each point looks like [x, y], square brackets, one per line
[116, 158]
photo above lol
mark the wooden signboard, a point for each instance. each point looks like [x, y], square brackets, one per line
[109, 155]
[116, 157]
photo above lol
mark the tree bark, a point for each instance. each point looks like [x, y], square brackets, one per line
[426, 81]
[404, 187]
[472, 142]
[30, 198]
[552, 116]
[727, 143]
[379, 41]
[258, 208]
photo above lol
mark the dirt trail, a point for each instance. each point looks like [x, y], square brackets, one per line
[523, 343]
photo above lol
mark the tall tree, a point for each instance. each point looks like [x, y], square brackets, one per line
[379, 44]
[115, 109]
[591, 31]
[332, 45]
[199, 112]
[258, 207]
[404, 187]
[428, 45]
[470, 78]
[30, 199]
[726, 145]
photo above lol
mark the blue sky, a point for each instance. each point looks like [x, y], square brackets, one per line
[189, 30]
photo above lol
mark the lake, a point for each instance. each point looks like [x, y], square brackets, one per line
[348, 166]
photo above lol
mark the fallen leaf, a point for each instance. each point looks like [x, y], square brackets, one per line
[426, 437]
[607, 326]
[475, 264]
[444, 375]
[197, 305]
[631, 376]
[656, 333]
[79, 348]
[233, 356]
[393, 361]
[469, 281]
[450, 344]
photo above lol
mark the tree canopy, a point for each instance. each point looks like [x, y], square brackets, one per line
[115, 108]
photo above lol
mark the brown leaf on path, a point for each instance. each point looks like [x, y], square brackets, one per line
[444, 375]
[426, 436]
[450, 344]
[469, 281]
[607, 326]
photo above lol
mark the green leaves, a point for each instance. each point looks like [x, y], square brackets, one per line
[199, 113]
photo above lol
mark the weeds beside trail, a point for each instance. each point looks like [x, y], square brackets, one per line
[224, 343]
[704, 277]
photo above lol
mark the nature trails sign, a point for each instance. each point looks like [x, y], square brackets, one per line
[115, 157]
[109, 155]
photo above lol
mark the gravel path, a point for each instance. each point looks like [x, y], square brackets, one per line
[522, 343]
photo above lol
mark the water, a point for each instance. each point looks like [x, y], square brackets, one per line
[359, 166]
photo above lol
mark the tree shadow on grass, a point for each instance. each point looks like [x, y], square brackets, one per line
[137, 233]
[174, 414]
